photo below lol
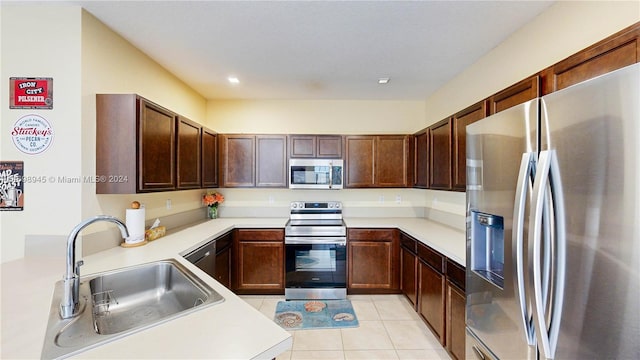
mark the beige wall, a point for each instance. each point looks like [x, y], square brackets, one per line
[562, 30]
[84, 57]
[110, 64]
[315, 116]
[35, 46]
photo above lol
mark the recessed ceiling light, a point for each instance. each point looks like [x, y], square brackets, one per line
[233, 80]
[383, 80]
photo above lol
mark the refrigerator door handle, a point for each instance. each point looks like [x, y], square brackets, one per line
[548, 178]
[527, 168]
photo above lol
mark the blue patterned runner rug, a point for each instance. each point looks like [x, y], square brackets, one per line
[315, 314]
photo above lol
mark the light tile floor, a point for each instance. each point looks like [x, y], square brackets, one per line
[389, 329]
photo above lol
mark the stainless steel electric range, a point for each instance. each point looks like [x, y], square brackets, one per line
[315, 251]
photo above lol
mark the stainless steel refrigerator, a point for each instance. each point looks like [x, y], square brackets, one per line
[553, 225]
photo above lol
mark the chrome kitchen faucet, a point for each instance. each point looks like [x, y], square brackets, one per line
[71, 281]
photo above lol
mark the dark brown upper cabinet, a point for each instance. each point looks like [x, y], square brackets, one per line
[135, 145]
[271, 161]
[209, 158]
[253, 160]
[460, 121]
[519, 93]
[392, 161]
[360, 153]
[617, 51]
[315, 146]
[376, 160]
[237, 155]
[421, 159]
[189, 154]
[156, 148]
[440, 138]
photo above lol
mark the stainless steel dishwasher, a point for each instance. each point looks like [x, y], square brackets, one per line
[204, 258]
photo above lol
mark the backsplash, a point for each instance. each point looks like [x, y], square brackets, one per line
[444, 207]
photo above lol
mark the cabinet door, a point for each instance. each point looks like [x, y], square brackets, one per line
[440, 155]
[189, 157]
[455, 321]
[157, 148]
[391, 160]
[329, 146]
[421, 159]
[223, 267]
[615, 52]
[360, 161]
[209, 158]
[259, 261]
[261, 265]
[460, 121]
[432, 299]
[302, 146]
[271, 161]
[373, 263]
[238, 157]
[408, 276]
[519, 93]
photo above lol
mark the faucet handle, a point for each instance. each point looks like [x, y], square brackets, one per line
[77, 269]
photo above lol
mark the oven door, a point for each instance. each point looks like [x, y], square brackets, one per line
[315, 270]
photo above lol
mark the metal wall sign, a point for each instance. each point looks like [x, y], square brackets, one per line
[11, 186]
[30, 93]
[32, 134]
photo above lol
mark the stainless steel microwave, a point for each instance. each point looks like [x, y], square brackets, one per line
[315, 173]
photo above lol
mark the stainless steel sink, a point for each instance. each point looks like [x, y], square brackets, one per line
[117, 303]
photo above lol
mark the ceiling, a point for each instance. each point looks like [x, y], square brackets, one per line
[315, 49]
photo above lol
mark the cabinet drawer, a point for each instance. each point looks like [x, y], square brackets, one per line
[408, 243]
[260, 235]
[456, 274]
[431, 257]
[370, 234]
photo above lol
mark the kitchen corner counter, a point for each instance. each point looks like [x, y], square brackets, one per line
[232, 329]
[448, 241]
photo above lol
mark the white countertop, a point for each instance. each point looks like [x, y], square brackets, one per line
[446, 240]
[230, 330]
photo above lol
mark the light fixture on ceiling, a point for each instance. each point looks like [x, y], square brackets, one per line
[233, 80]
[383, 81]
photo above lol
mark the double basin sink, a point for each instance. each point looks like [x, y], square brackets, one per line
[118, 303]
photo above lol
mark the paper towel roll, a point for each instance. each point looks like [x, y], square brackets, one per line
[135, 225]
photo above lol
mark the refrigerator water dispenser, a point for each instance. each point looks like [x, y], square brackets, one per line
[487, 247]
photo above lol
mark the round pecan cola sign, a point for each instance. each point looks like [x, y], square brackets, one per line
[32, 134]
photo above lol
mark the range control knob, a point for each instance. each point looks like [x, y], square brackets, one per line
[330, 205]
[337, 205]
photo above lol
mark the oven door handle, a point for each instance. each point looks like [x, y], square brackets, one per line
[293, 240]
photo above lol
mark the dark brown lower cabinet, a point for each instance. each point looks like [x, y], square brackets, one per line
[223, 259]
[455, 321]
[431, 303]
[259, 261]
[408, 282]
[373, 261]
